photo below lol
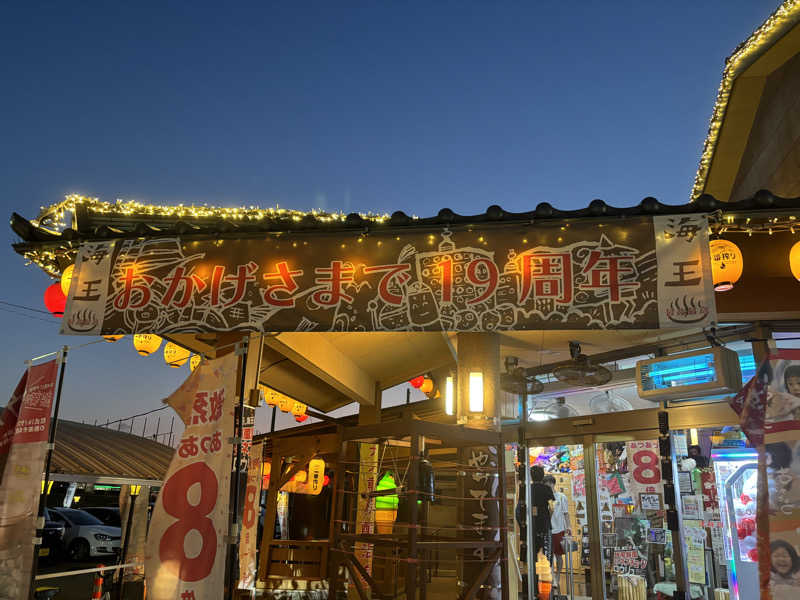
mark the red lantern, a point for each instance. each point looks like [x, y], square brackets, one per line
[417, 381]
[300, 418]
[325, 480]
[55, 300]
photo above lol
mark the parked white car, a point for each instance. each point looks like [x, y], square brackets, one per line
[85, 535]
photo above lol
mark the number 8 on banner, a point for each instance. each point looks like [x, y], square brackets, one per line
[190, 517]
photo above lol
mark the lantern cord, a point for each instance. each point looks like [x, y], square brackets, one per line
[22, 314]
[44, 312]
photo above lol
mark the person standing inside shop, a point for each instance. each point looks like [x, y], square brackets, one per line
[541, 496]
[558, 527]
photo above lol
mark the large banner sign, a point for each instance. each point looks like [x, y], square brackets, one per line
[628, 273]
[186, 543]
[24, 430]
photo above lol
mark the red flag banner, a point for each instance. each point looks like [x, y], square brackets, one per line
[24, 429]
[769, 412]
[186, 543]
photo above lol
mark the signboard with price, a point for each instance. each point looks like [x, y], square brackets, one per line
[644, 469]
[185, 553]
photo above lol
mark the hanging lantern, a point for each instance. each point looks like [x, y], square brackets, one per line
[194, 361]
[175, 356]
[301, 418]
[146, 343]
[112, 338]
[726, 264]
[794, 260]
[285, 403]
[417, 381]
[66, 279]
[427, 385]
[316, 473]
[55, 300]
[270, 396]
[298, 408]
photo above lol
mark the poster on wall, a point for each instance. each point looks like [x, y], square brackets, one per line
[695, 537]
[644, 469]
[769, 410]
[24, 430]
[631, 546]
[186, 548]
[640, 273]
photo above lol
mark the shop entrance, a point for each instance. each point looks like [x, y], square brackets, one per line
[617, 543]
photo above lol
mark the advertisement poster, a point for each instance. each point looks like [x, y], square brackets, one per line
[186, 548]
[644, 469]
[251, 509]
[695, 537]
[631, 546]
[365, 510]
[641, 273]
[769, 411]
[24, 430]
[138, 531]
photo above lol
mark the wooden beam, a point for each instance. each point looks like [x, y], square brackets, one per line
[323, 360]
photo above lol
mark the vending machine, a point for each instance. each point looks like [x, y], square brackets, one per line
[736, 471]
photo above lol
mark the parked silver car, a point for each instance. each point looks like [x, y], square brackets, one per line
[85, 536]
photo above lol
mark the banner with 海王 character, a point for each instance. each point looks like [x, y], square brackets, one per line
[186, 542]
[631, 273]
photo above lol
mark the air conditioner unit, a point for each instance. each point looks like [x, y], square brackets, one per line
[708, 372]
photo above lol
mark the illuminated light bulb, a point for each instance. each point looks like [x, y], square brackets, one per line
[146, 343]
[449, 396]
[175, 356]
[476, 391]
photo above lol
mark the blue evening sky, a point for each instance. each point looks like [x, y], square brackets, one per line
[352, 106]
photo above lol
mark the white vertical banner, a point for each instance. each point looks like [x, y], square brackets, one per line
[685, 285]
[88, 290]
[186, 544]
[251, 509]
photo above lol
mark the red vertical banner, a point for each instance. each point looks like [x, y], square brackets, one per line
[248, 542]
[186, 543]
[24, 429]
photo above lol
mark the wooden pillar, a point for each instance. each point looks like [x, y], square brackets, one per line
[479, 355]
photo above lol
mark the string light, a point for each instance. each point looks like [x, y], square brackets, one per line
[772, 29]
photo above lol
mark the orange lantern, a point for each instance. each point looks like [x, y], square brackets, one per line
[285, 403]
[146, 343]
[112, 338]
[794, 260]
[427, 385]
[298, 409]
[194, 361]
[175, 356]
[726, 264]
[66, 279]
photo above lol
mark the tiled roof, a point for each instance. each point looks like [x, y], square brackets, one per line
[89, 450]
[108, 226]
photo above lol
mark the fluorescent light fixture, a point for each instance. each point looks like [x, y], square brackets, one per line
[539, 416]
[449, 400]
[476, 391]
